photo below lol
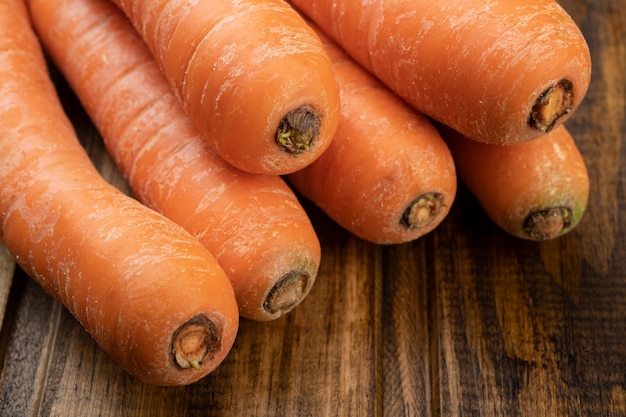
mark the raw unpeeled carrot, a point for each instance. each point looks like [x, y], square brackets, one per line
[252, 223]
[147, 291]
[251, 75]
[536, 190]
[388, 176]
[497, 70]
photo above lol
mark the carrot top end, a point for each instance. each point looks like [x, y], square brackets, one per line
[298, 130]
[549, 223]
[288, 292]
[422, 211]
[555, 102]
[194, 342]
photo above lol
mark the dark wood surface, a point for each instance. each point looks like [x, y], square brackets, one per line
[466, 321]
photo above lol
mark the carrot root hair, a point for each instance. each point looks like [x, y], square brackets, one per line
[549, 223]
[298, 129]
[555, 102]
[287, 292]
[422, 211]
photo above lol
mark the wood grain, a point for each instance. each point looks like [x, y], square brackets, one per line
[530, 329]
[466, 321]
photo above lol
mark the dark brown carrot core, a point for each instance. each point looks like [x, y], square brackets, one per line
[554, 103]
[422, 211]
[298, 130]
[194, 342]
[287, 292]
[549, 223]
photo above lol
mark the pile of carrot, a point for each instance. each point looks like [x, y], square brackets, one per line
[221, 114]
[499, 78]
[388, 176]
[253, 224]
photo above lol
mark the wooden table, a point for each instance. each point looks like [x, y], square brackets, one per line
[466, 321]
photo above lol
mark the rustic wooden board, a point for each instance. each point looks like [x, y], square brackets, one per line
[527, 329]
[466, 321]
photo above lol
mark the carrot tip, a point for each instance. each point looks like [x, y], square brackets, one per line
[555, 102]
[287, 293]
[548, 224]
[194, 341]
[422, 211]
[298, 130]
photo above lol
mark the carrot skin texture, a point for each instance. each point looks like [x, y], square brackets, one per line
[133, 279]
[238, 68]
[479, 67]
[536, 190]
[384, 157]
[252, 223]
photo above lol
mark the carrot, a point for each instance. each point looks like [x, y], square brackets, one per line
[252, 223]
[147, 291]
[536, 190]
[251, 75]
[498, 70]
[388, 176]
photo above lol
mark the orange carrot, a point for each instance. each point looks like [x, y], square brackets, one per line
[388, 176]
[253, 224]
[251, 75]
[498, 70]
[536, 190]
[147, 291]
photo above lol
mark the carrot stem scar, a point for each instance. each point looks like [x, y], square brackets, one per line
[547, 224]
[555, 102]
[422, 211]
[193, 342]
[287, 292]
[298, 130]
